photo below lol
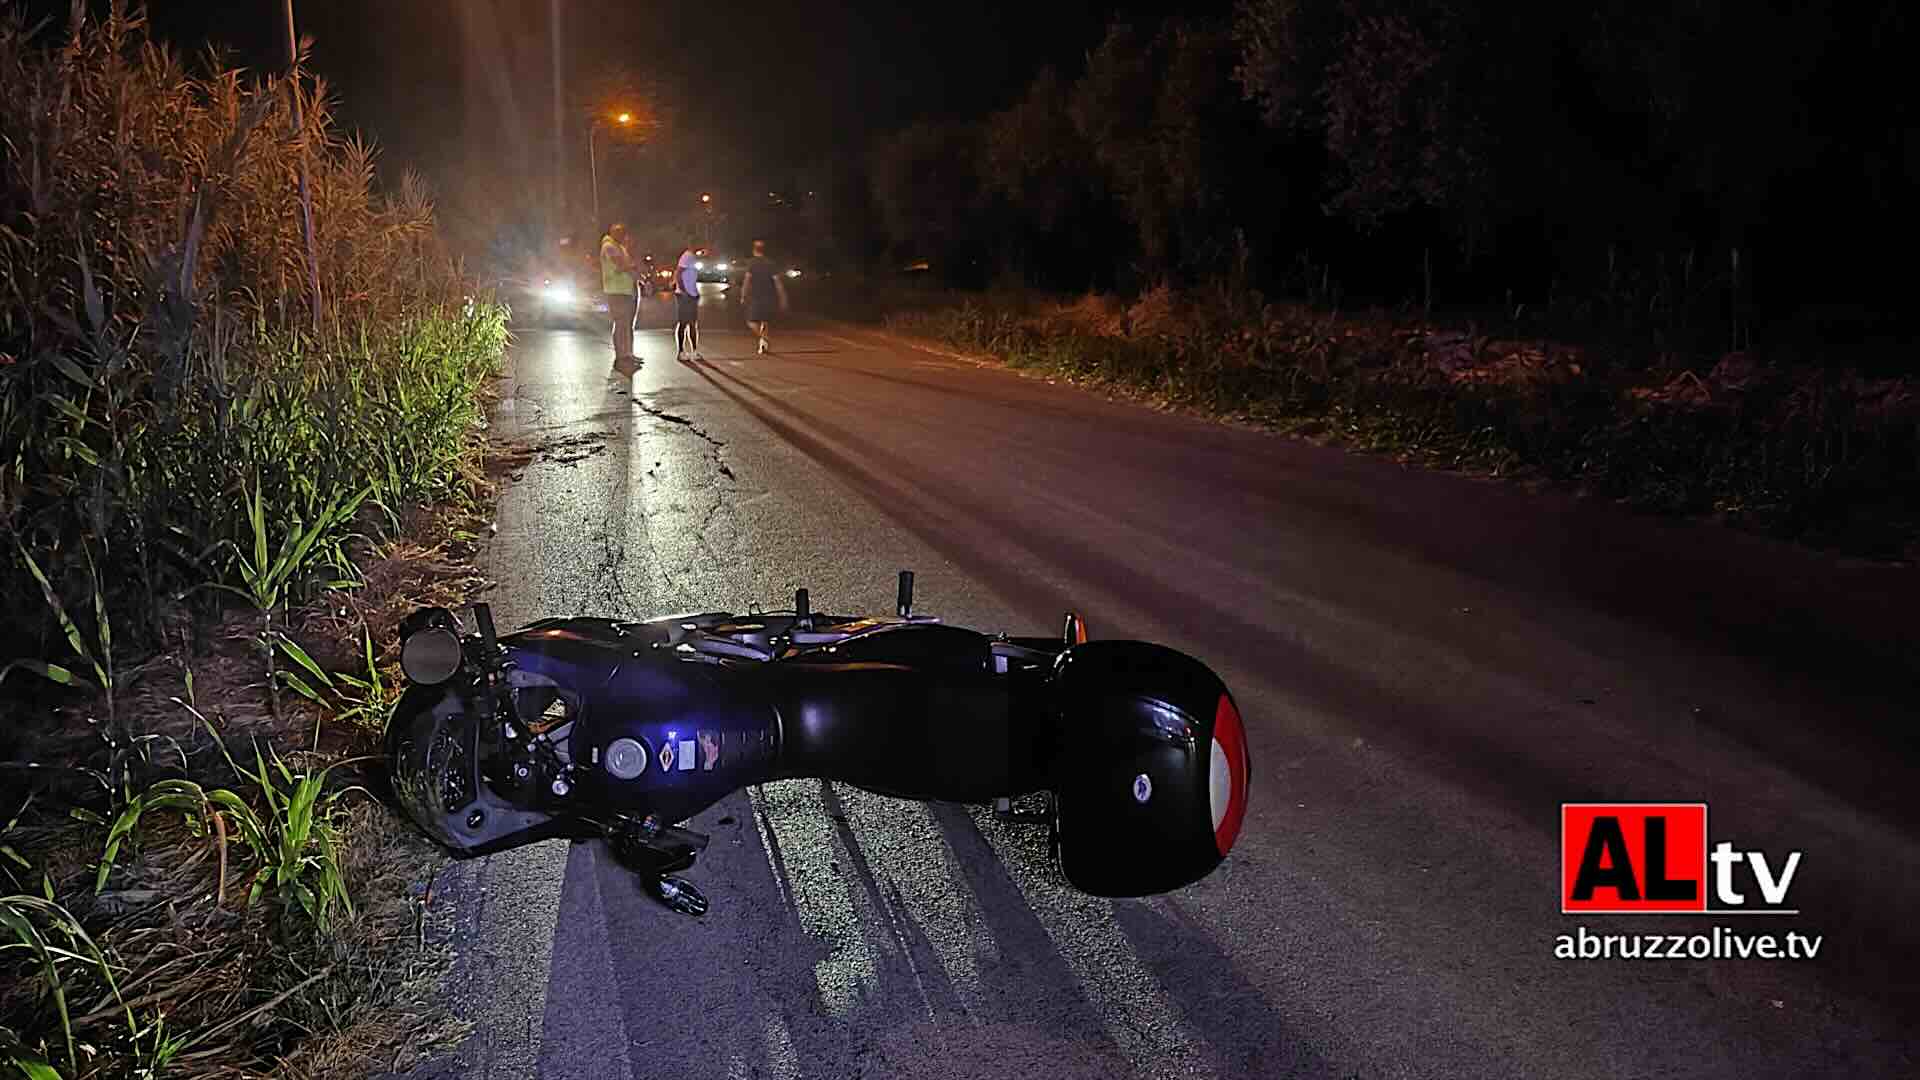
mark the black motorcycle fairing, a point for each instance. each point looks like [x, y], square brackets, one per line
[437, 755]
[703, 731]
[911, 710]
[907, 709]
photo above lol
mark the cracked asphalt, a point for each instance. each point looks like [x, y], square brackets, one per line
[1429, 666]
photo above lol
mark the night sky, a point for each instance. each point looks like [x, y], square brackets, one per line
[765, 86]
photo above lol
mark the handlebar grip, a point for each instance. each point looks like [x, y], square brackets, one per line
[483, 617]
[906, 593]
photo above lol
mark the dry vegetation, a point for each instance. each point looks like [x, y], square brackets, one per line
[218, 493]
[1813, 452]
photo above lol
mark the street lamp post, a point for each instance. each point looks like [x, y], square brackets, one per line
[706, 200]
[593, 164]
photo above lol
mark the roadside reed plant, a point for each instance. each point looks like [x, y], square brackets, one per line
[186, 427]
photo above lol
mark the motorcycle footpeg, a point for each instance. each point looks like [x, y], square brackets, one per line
[1003, 811]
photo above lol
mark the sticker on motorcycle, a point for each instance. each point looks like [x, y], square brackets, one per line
[666, 756]
[709, 750]
[687, 754]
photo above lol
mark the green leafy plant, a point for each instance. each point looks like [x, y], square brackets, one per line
[269, 582]
[294, 844]
[55, 943]
[154, 1047]
[97, 651]
[12, 863]
[350, 698]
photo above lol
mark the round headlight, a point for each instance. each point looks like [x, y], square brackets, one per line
[431, 655]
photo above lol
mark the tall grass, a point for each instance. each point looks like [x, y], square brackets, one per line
[158, 363]
[181, 426]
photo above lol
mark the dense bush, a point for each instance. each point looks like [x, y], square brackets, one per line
[1817, 454]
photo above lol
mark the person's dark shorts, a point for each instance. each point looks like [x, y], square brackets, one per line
[686, 309]
[759, 310]
[622, 307]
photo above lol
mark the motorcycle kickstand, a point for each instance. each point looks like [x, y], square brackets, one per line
[653, 851]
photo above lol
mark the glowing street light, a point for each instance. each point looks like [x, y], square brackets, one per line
[593, 161]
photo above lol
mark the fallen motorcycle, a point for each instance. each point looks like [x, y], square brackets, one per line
[594, 727]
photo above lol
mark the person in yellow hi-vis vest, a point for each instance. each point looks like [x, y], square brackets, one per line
[617, 282]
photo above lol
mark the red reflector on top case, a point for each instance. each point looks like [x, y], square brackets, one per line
[1229, 775]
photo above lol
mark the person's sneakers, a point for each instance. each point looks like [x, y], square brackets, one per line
[697, 355]
[762, 350]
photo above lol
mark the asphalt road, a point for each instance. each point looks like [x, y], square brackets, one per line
[1429, 665]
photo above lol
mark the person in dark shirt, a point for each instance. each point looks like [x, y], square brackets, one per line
[762, 292]
[686, 305]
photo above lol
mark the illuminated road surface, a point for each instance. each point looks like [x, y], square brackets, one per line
[1428, 665]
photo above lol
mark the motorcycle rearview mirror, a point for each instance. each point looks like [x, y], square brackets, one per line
[425, 618]
[906, 593]
[430, 655]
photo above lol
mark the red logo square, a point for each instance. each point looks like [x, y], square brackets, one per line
[1633, 858]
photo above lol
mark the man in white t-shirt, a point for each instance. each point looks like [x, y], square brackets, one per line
[686, 306]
